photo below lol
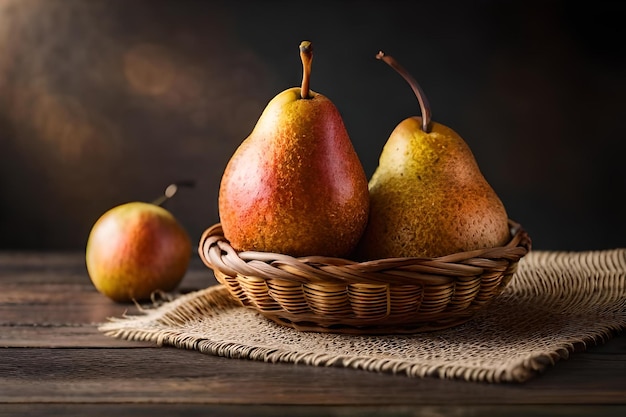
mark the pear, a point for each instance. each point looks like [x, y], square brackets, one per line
[295, 185]
[137, 248]
[428, 197]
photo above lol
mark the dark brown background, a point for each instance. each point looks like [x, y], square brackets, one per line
[103, 102]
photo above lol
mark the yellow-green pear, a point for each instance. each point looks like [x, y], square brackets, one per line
[295, 185]
[428, 197]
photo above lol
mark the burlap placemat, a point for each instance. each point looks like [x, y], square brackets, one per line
[557, 303]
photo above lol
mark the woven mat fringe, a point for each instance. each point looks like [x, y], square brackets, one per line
[557, 303]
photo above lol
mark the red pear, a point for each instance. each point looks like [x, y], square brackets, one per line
[295, 185]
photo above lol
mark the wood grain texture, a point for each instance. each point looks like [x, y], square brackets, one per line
[143, 374]
[53, 361]
[260, 410]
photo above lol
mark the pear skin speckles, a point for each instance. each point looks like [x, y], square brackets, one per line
[296, 185]
[428, 198]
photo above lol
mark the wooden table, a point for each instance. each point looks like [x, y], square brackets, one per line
[54, 361]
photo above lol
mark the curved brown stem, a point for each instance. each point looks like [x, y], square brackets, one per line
[306, 55]
[421, 97]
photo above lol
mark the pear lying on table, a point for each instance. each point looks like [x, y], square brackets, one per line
[428, 196]
[135, 249]
[295, 185]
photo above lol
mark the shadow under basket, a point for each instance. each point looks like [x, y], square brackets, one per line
[385, 296]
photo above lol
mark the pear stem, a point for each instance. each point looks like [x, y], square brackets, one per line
[171, 190]
[421, 97]
[306, 55]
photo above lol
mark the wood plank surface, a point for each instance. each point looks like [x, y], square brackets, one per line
[139, 374]
[259, 410]
[53, 357]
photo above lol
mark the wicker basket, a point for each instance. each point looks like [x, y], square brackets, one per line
[395, 295]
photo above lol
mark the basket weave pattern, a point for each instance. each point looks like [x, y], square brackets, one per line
[395, 295]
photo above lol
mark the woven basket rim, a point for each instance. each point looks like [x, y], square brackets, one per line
[217, 254]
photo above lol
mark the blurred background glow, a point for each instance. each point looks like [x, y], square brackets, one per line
[108, 101]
